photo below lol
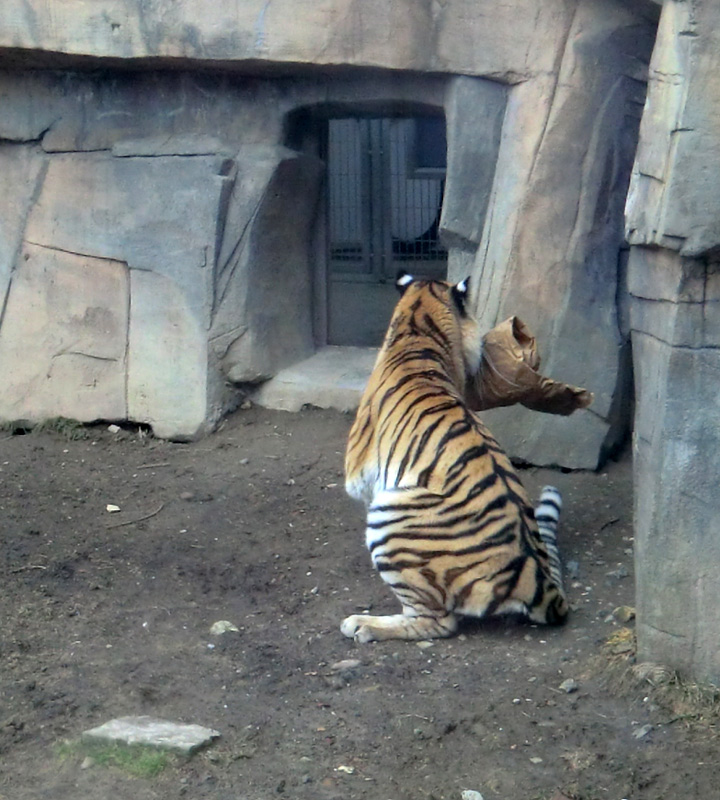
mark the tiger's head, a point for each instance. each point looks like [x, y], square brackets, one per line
[427, 306]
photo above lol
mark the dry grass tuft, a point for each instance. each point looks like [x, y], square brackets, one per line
[681, 699]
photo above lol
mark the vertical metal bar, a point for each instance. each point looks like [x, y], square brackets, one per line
[383, 199]
[375, 198]
[366, 195]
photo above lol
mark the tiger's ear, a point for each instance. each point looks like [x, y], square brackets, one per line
[460, 294]
[403, 280]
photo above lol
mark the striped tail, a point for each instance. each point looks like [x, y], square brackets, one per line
[547, 515]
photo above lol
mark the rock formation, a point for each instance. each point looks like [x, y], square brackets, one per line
[673, 221]
[161, 216]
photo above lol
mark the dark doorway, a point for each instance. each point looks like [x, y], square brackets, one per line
[385, 189]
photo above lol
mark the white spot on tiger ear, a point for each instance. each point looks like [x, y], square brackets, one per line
[461, 287]
[405, 280]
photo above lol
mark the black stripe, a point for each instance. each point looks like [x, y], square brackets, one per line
[382, 566]
[546, 519]
[435, 499]
[548, 501]
[404, 533]
[456, 430]
[475, 491]
[494, 541]
[374, 526]
[471, 454]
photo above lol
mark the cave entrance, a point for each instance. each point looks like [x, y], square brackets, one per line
[385, 183]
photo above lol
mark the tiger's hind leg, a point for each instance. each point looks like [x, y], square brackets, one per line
[410, 625]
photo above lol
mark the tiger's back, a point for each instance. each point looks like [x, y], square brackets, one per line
[449, 526]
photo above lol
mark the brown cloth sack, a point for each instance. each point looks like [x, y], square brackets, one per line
[509, 374]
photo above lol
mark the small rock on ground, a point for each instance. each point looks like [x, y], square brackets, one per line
[624, 613]
[223, 626]
[154, 733]
[569, 685]
[641, 733]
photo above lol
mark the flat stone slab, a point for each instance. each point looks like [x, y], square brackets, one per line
[335, 377]
[153, 733]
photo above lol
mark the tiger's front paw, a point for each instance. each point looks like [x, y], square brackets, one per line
[355, 627]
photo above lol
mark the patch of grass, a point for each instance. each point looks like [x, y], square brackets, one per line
[137, 760]
[681, 699]
[68, 428]
[685, 700]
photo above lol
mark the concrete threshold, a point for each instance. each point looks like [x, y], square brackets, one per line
[334, 377]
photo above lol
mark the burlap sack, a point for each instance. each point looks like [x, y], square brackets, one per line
[509, 374]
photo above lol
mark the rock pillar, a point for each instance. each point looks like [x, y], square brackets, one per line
[673, 223]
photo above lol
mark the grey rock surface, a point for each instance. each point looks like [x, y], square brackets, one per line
[514, 39]
[64, 337]
[273, 271]
[675, 312]
[674, 198]
[475, 112]
[153, 732]
[205, 191]
[672, 215]
[552, 245]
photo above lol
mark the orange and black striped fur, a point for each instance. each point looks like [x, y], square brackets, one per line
[449, 526]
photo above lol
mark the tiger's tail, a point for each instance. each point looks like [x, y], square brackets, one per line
[547, 515]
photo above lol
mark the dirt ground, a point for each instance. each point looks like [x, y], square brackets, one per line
[109, 614]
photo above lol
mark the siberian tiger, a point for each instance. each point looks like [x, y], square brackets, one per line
[449, 526]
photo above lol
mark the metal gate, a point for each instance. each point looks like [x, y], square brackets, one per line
[385, 191]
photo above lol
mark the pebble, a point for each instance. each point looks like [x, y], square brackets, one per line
[619, 573]
[641, 733]
[347, 663]
[624, 613]
[344, 672]
[471, 794]
[223, 626]
[569, 685]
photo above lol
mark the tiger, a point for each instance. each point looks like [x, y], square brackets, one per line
[449, 525]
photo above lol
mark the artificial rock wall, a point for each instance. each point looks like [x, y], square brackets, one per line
[156, 241]
[160, 225]
[553, 251]
[673, 221]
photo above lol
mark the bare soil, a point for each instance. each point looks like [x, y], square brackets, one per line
[109, 614]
